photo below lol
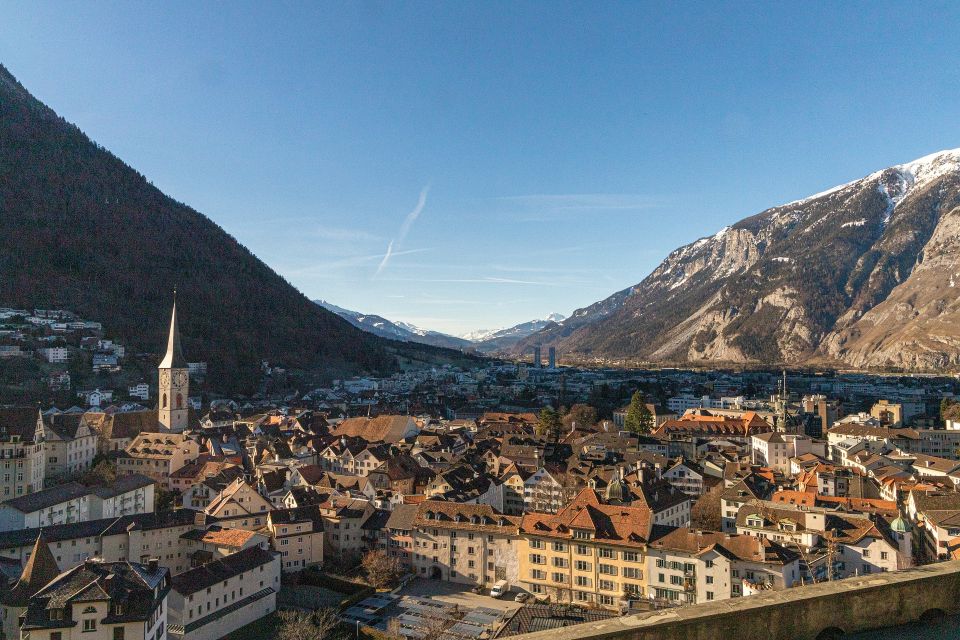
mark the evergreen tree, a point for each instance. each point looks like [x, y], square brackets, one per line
[550, 424]
[639, 419]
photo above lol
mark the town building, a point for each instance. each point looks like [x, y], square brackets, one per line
[99, 600]
[588, 553]
[217, 598]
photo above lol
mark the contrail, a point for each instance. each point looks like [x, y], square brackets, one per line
[413, 215]
[404, 229]
[386, 258]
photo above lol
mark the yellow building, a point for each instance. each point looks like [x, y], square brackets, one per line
[586, 553]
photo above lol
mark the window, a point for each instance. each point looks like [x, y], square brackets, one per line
[89, 625]
[631, 556]
[709, 595]
[559, 577]
[559, 546]
[583, 566]
[536, 544]
[607, 569]
[118, 633]
[661, 563]
[582, 550]
[632, 572]
[560, 563]
[709, 579]
[536, 558]
[537, 574]
[608, 585]
[582, 581]
[605, 553]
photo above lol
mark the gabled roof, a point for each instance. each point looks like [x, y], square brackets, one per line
[740, 547]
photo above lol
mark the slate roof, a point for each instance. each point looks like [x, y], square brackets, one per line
[230, 566]
[103, 526]
[41, 568]
[127, 583]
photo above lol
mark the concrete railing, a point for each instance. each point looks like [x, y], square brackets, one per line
[818, 611]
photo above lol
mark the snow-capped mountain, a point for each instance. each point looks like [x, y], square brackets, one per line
[402, 331]
[503, 340]
[862, 274]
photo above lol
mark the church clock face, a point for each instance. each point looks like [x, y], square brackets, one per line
[164, 377]
[180, 378]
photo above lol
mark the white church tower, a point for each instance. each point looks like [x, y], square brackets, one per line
[174, 382]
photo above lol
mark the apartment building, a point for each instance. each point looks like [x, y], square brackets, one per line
[687, 566]
[69, 445]
[465, 543]
[74, 502]
[834, 544]
[22, 461]
[542, 492]
[587, 553]
[298, 535]
[217, 598]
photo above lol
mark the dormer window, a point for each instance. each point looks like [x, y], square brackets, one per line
[56, 614]
[754, 521]
[582, 535]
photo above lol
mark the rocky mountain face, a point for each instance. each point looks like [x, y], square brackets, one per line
[863, 274]
[395, 330]
[81, 230]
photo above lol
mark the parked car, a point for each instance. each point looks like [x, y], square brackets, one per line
[522, 597]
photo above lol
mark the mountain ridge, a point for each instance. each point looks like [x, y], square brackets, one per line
[804, 282]
[122, 247]
[396, 330]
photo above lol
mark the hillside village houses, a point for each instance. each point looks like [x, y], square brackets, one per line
[728, 496]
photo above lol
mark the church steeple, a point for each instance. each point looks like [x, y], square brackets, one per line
[174, 357]
[174, 377]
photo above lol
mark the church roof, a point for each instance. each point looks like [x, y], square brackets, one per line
[174, 358]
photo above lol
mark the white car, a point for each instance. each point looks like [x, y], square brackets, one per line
[499, 589]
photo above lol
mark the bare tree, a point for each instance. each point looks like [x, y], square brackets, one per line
[380, 568]
[322, 624]
[706, 513]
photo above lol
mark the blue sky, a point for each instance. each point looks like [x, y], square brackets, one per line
[513, 158]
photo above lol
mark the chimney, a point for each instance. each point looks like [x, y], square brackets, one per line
[153, 564]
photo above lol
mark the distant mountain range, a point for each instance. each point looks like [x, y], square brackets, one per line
[485, 342]
[380, 326]
[81, 230]
[863, 275]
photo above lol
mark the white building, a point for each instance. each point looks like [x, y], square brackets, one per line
[56, 355]
[243, 586]
[74, 502]
[140, 391]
